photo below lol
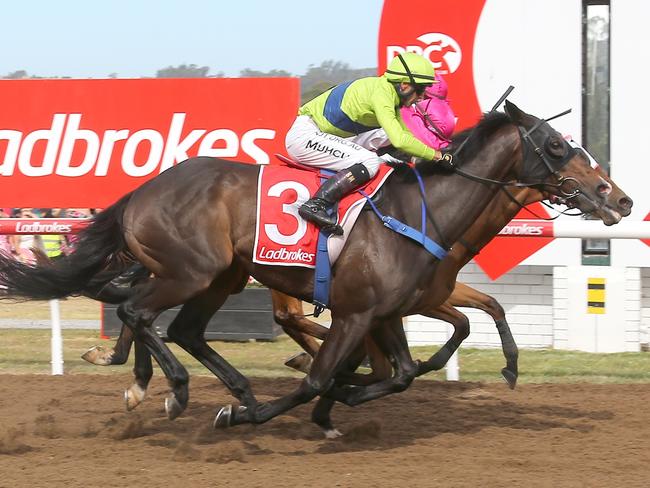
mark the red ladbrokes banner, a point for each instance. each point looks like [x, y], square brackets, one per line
[85, 143]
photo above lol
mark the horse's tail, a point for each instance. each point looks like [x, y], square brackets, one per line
[100, 255]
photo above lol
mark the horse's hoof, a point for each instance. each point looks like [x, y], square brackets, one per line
[98, 355]
[134, 396]
[173, 407]
[509, 377]
[226, 416]
[332, 433]
[300, 362]
[222, 420]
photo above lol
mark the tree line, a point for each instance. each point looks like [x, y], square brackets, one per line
[316, 80]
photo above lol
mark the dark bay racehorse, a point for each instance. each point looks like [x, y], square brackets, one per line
[289, 312]
[495, 216]
[193, 228]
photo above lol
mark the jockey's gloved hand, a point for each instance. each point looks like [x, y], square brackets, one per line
[447, 158]
[444, 158]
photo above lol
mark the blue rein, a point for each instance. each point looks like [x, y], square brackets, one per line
[419, 236]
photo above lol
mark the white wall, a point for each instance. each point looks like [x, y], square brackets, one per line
[630, 123]
[616, 330]
[526, 294]
[525, 43]
[546, 307]
[645, 307]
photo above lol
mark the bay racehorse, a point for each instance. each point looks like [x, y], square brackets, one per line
[289, 313]
[193, 228]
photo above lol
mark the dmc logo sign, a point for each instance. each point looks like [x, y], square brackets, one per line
[443, 51]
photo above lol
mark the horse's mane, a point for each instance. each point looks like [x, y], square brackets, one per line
[475, 137]
[489, 123]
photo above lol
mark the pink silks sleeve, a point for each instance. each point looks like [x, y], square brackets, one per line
[439, 113]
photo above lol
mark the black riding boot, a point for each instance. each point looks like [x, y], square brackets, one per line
[336, 187]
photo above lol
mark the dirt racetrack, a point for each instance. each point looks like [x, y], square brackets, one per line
[72, 431]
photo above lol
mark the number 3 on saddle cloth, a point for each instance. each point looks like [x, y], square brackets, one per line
[283, 238]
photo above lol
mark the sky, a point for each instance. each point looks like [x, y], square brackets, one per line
[94, 38]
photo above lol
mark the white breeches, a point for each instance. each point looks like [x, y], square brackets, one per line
[307, 144]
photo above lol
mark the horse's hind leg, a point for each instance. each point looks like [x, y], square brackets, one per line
[289, 313]
[139, 312]
[465, 296]
[118, 354]
[188, 329]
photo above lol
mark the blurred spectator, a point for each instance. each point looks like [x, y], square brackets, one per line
[54, 245]
[78, 213]
[23, 243]
[6, 245]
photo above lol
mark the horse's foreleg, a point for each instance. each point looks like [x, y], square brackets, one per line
[139, 312]
[382, 369]
[465, 296]
[461, 330]
[344, 336]
[390, 337]
[118, 354]
[290, 314]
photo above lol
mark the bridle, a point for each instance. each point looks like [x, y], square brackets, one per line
[529, 144]
[553, 168]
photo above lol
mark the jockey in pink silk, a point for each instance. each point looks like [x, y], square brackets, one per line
[431, 120]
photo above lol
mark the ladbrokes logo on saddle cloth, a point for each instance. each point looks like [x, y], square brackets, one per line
[284, 238]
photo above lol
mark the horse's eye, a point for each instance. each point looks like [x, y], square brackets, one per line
[555, 147]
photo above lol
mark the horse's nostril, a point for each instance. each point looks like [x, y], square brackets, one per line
[626, 202]
[604, 189]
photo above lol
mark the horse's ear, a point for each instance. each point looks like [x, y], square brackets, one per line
[514, 112]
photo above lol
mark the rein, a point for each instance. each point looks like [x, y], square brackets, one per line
[521, 206]
[527, 142]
